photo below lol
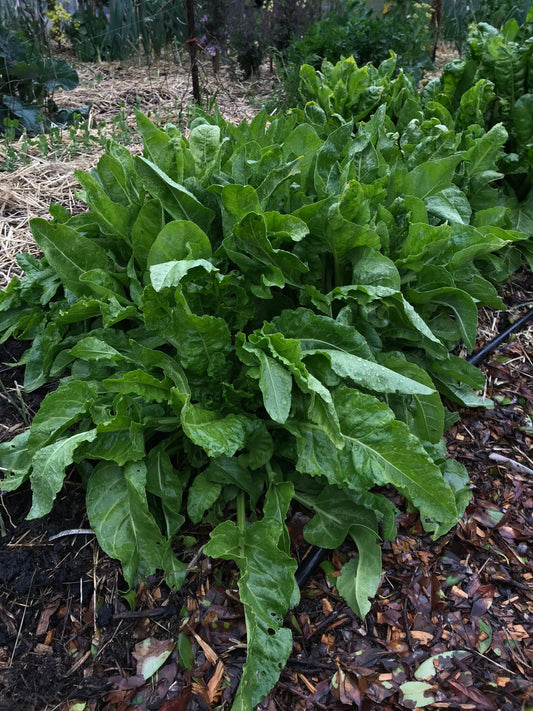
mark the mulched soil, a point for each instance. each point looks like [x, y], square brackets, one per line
[73, 638]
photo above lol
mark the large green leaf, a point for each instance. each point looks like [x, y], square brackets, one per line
[59, 410]
[92, 348]
[199, 340]
[423, 413]
[202, 494]
[430, 178]
[175, 198]
[250, 235]
[158, 145]
[138, 382]
[125, 528]
[147, 226]
[205, 146]
[69, 253]
[163, 481]
[120, 440]
[288, 351]
[379, 449]
[114, 218]
[275, 382]
[171, 273]
[266, 589]
[48, 470]
[371, 375]
[314, 332]
[179, 239]
[216, 434]
[461, 305]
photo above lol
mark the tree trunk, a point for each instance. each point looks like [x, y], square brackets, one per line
[193, 51]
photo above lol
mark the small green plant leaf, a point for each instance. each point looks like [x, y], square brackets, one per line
[359, 579]
[417, 694]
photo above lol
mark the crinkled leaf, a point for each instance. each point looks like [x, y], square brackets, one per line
[250, 235]
[137, 382]
[48, 470]
[266, 589]
[377, 448]
[217, 435]
[59, 410]
[202, 495]
[170, 274]
[118, 513]
[119, 440]
[199, 340]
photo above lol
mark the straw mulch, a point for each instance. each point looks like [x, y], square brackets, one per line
[162, 90]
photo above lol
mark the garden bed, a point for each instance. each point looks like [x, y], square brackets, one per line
[69, 639]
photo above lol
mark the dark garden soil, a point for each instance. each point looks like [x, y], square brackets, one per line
[69, 640]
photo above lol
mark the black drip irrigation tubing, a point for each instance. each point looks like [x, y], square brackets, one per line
[317, 555]
[492, 345]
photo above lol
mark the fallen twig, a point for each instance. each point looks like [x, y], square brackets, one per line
[517, 466]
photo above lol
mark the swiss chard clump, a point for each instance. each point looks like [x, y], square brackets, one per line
[253, 316]
[488, 93]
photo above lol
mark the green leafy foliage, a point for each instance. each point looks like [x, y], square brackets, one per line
[112, 29]
[354, 29]
[488, 90]
[263, 314]
[457, 16]
[27, 83]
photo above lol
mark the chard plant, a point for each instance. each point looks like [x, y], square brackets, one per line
[255, 318]
[487, 92]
